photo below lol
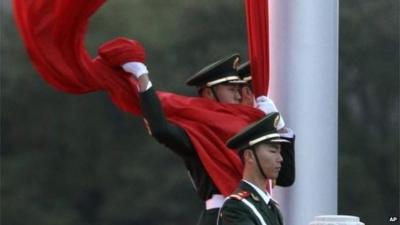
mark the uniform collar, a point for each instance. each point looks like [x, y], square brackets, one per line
[264, 195]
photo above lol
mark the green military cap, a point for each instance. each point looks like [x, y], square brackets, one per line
[244, 71]
[263, 130]
[221, 71]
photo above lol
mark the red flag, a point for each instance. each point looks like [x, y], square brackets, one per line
[53, 33]
[258, 42]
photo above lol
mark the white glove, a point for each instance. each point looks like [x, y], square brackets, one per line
[286, 133]
[266, 105]
[136, 68]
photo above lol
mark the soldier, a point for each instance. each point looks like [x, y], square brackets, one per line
[262, 102]
[259, 147]
[247, 91]
[265, 104]
[218, 81]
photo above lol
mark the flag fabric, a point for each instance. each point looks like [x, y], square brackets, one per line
[258, 43]
[53, 33]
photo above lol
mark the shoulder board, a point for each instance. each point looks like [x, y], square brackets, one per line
[240, 195]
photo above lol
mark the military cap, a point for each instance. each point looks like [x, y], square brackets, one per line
[263, 130]
[221, 71]
[244, 71]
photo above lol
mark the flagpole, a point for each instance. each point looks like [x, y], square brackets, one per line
[304, 85]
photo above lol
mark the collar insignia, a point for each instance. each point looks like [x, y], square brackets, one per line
[254, 197]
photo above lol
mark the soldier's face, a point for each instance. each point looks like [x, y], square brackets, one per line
[270, 158]
[247, 96]
[228, 93]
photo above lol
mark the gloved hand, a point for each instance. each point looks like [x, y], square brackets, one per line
[136, 68]
[266, 105]
[124, 52]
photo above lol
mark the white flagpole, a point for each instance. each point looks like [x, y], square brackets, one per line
[304, 86]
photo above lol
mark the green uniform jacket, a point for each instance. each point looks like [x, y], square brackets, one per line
[237, 209]
[176, 139]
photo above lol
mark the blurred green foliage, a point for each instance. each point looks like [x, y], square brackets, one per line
[78, 160]
[369, 94]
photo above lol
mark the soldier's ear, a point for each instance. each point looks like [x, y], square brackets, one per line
[248, 155]
[206, 92]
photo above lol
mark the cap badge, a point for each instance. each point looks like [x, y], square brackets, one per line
[236, 63]
[276, 121]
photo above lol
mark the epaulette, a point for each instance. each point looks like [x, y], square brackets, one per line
[240, 195]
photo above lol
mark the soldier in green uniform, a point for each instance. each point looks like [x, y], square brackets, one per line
[259, 146]
[262, 102]
[247, 89]
[218, 81]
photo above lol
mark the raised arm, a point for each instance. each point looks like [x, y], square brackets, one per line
[172, 136]
[287, 173]
[130, 55]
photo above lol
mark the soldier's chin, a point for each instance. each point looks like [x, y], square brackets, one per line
[275, 175]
